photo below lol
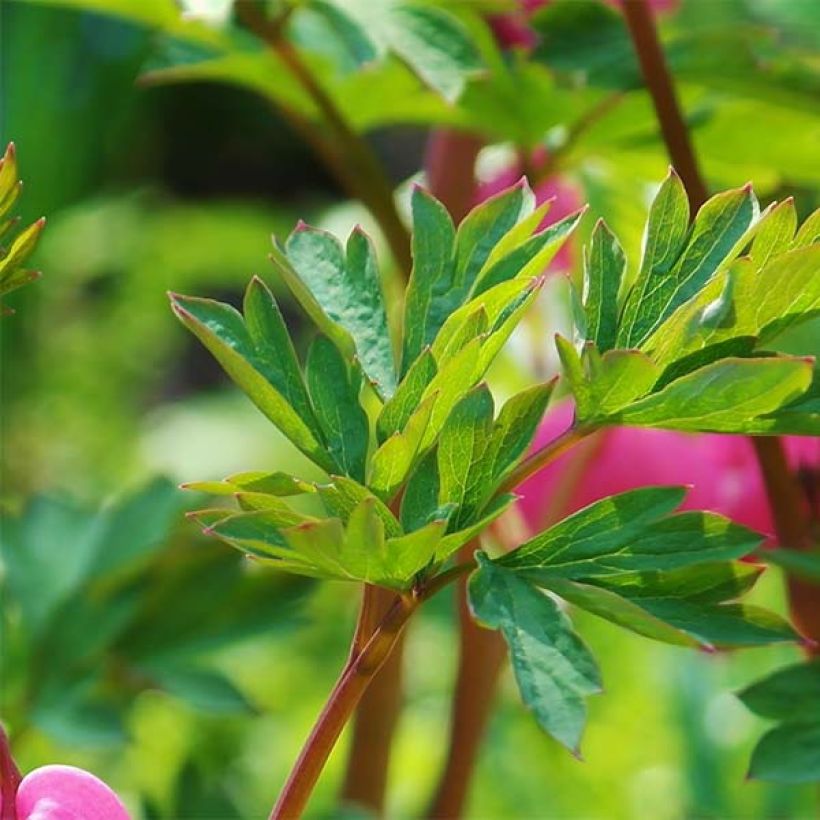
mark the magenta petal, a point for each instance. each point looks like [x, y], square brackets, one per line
[66, 793]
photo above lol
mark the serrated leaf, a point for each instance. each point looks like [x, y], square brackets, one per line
[221, 329]
[334, 391]
[392, 462]
[792, 693]
[465, 462]
[604, 268]
[396, 412]
[554, 669]
[724, 396]
[718, 233]
[345, 283]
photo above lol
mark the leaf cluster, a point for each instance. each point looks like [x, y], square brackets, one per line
[13, 257]
[413, 480]
[681, 343]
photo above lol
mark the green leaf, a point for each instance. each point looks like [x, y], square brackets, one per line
[616, 379]
[343, 495]
[530, 257]
[334, 390]
[257, 481]
[465, 463]
[809, 231]
[392, 462]
[456, 540]
[788, 754]
[435, 44]
[774, 233]
[397, 411]
[203, 688]
[724, 396]
[604, 268]
[419, 504]
[221, 329]
[802, 564]
[554, 669]
[792, 693]
[516, 425]
[720, 230]
[345, 283]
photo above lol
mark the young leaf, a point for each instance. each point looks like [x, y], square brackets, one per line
[221, 329]
[554, 669]
[433, 270]
[464, 468]
[396, 412]
[344, 494]
[334, 390]
[774, 233]
[719, 231]
[724, 396]
[617, 379]
[604, 267]
[345, 283]
[809, 231]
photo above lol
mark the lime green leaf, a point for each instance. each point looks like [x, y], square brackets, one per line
[397, 411]
[604, 267]
[432, 274]
[257, 481]
[413, 552]
[343, 495]
[10, 184]
[530, 257]
[617, 379]
[719, 231]
[392, 462]
[774, 233]
[792, 693]
[724, 396]
[221, 329]
[573, 370]
[334, 390]
[345, 283]
[789, 753]
[516, 425]
[809, 231]
[554, 669]
[465, 462]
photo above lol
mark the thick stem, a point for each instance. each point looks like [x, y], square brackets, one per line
[792, 524]
[377, 714]
[9, 779]
[357, 674]
[659, 83]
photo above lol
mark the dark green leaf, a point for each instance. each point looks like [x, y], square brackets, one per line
[554, 669]
[604, 268]
[788, 754]
[397, 411]
[792, 693]
[801, 564]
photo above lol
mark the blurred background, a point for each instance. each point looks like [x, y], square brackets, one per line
[164, 157]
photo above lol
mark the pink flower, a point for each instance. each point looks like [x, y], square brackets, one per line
[65, 793]
[722, 470]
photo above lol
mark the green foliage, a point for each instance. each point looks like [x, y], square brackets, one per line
[433, 447]
[790, 752]
[682, 345]
[630, 560]
[82, 636]
[12, 258]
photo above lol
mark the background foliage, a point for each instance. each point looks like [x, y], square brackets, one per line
[184, 702]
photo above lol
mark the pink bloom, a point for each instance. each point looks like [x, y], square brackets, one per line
[722, 470]
[65, 793]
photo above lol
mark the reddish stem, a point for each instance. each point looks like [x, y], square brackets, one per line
[9, 779]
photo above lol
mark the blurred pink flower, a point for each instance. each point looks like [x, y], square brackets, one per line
[65, 793]
[722, 470]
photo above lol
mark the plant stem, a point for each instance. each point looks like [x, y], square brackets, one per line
[347, 155]
[377, 713]
[357, 674]
[659, 83]
[791, 518]
[9, 779]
